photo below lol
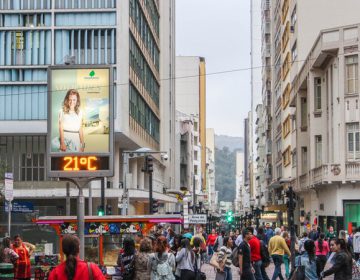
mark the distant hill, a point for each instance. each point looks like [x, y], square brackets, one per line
[233, 143]
[225, 165]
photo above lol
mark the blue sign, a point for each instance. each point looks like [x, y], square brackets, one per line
[20, 207]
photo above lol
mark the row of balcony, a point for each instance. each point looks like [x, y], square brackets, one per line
[328, 173]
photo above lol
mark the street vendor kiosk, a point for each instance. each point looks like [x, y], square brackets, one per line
[104, 235]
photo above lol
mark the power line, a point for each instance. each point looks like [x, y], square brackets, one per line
[167, 79]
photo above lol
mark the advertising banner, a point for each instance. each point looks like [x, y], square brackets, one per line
[80, 105]
[80, 121]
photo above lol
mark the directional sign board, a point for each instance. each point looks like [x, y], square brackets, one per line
[9, 186]
[197, 219]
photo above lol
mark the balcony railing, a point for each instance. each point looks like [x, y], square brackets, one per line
[319, 174]
[353, 170]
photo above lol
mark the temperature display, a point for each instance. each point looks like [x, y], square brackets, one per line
[79, 163]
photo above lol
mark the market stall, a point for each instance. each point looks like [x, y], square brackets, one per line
[104, 235]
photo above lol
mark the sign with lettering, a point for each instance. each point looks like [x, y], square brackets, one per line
[197, 219]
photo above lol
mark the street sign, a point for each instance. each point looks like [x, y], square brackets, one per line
[20, 207]
[9, 186]
[197, 219]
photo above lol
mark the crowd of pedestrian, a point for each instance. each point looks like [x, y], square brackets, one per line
[166, 255]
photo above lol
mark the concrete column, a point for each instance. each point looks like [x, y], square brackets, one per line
[134, 172]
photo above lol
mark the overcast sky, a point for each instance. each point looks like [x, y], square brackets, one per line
[219, 30]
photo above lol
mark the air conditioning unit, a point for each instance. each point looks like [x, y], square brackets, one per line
[292, 28]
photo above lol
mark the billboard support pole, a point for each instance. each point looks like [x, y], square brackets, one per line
[9, 218]
[126, 198]
[80, 184]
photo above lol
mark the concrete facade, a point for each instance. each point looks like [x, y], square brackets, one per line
[56, 25]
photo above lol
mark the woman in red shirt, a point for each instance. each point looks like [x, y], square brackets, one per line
[322, 249]
[74, 268]
[210, 242]
[22, 266]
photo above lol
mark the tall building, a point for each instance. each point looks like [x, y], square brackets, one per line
[211, 198]
[289, 29]
[136, 39]
[191, 100]
[326, 97]
[239, 196]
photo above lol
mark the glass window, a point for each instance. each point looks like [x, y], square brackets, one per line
[351, 74]
[317, 93]
[318, 150]
[303, 113]
[304, 166]
[353, 141]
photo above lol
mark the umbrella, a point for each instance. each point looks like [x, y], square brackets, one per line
[187, 235]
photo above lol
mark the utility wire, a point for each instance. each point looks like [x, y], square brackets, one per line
[165, 79]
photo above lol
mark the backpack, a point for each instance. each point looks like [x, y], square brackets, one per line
[163, 270]
[264, 253]
[235, 256]
[128, 271]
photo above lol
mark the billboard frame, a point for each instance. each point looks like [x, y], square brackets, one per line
[81, 173]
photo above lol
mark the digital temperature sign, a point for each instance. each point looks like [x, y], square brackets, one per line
[80, 140]
[79, 163]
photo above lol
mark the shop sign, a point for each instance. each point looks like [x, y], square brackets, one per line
[20, 207]
[197, 219]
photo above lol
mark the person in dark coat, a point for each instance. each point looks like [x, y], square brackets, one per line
[342, 268]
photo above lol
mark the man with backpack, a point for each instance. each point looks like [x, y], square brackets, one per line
[265, 257]
[245, 268]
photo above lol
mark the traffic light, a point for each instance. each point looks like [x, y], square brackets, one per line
[149, 164]
[155, 206]
[229, 216]
[100, 210]
[108, 209]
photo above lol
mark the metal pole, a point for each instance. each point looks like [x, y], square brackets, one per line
[292, 227]
[81, 221]
[126, 199]
[194, 196]
[103, 194]
[90, 201]
[68, 199]
[150, 193]
[9, 217]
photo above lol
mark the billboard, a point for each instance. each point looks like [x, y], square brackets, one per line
[80, 126]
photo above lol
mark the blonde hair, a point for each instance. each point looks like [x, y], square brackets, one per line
[66, 106]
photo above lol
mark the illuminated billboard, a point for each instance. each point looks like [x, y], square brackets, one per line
[80, 121]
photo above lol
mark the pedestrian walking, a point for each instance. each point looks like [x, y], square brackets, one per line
[265, 257]
[342, 268]
[210, 242]
[256, 260]
[277, 247]
[126, 259]
[22, 266]
[321, 252]
[224, 256]
[7, 255]
[331, 234]
[185, 260]
[356, 244]
[246, 270]
[219, 241]
[269, 233]
[286, 257]
[162, 262]
[74, 268]
[141, 260]
[302, 242]
[314, 233]
[308, 260]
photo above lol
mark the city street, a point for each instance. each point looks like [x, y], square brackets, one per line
[210, 273]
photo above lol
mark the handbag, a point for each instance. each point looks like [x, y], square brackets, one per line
[220, 275]
[299, 272]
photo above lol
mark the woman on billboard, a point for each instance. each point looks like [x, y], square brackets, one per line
[70, 123]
